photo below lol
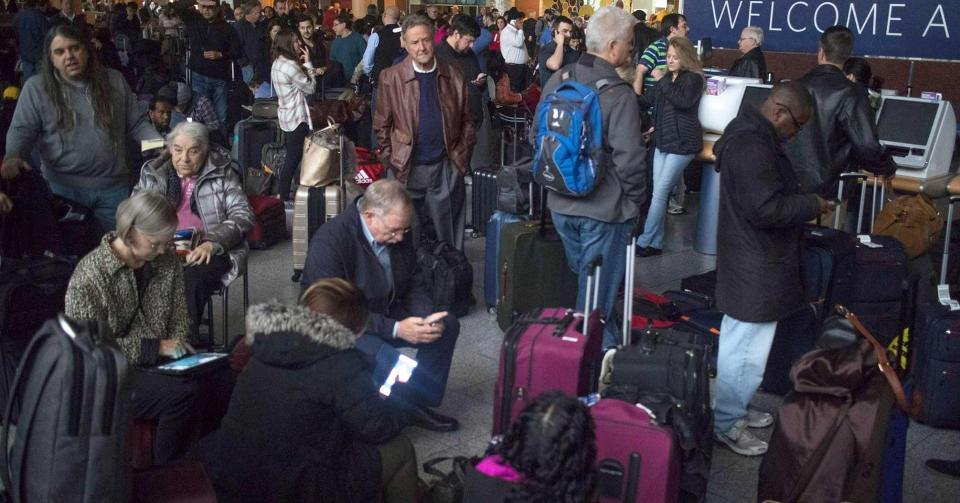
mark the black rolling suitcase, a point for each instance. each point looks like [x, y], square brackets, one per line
[484, 198]
[249, 138]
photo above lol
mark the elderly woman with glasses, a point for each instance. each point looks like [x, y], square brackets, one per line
[199, 182]
[133, 284]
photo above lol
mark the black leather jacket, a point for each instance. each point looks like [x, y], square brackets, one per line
[840, 136]
[752, 64]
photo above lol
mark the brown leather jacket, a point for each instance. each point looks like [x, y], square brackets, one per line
[395, 119]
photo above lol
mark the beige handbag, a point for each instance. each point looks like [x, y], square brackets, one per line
[321, 163]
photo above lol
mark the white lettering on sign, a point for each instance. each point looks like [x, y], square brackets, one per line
[816, 17]
[751, 14]
[790, 17]
[726, 8]
[891, 19]
[853, 21]
[941, 24]
[773, 8]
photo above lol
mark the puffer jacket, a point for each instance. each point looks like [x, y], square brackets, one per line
[219, 201]
[304, 417]
[398, 104]
[676, 116]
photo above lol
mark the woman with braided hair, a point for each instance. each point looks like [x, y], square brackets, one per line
[546, 456]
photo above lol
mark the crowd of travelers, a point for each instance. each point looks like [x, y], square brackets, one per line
[84, 88]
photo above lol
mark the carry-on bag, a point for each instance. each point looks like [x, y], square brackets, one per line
[312, 207]
[73, 418]
[533, 269]
[483, 198]
[448, 275]
[491, 255]
[249, 137]
[553, 348]
[638, 460]
[667, 371]
[832, 433]
[269, 222]
[322, 163]
[936, 362]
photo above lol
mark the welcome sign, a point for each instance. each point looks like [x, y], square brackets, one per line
[898, 28]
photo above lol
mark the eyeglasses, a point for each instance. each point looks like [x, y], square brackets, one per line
[796, 123]
[393, 233]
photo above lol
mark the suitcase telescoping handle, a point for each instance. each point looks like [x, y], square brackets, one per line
[592, 296]
[946, 240]
[863, 198]
[631, 263]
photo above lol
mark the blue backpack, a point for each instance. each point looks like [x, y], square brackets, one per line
[569, 155]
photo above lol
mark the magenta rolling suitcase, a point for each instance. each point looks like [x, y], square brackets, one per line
[638, 461]
[546, 350]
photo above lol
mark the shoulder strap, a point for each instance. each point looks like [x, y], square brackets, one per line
[883, 362]
[810, 467]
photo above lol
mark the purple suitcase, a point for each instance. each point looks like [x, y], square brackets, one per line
[546, 350]
[637, 460]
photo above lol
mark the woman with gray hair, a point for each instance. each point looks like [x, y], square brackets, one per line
[198, 180]
[133, 283]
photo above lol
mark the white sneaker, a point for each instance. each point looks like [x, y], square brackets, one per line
[741, 441]
[758, 419]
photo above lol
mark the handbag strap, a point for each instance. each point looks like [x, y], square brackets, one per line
[883, 362]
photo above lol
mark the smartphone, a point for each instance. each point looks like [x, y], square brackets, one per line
[401, 372]
[435, 318]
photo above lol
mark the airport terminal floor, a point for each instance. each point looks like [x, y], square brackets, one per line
[470, 391]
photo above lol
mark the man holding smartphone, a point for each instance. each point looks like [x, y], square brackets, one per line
[457, 51]
[366, 246]
[558, 53]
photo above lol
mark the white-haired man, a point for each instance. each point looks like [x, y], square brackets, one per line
[600, 223]
[752, 64]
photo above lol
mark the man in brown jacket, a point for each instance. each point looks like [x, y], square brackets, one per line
[426, 134]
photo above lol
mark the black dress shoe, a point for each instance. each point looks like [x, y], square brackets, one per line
[945, 467]
[425, 418]
[648, 251]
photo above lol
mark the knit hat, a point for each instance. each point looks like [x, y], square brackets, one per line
[11, 93]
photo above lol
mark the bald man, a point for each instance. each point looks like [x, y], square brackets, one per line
[758, 254]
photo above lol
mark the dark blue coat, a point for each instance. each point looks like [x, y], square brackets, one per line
[339, 249]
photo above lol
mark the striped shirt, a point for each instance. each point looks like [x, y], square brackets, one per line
[654, 57]
[292, 86]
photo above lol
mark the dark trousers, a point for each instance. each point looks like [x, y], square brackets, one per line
[199, 282]
[170, 402]
[291, 165]
[519, 77]
[429, 380]
[439, 198]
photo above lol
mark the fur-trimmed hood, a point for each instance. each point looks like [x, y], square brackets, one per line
[283, 335]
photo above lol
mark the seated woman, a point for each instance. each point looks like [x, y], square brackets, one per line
[546, 456]
[134, 284]
[207, 194]
[505, 96]
[305, 421]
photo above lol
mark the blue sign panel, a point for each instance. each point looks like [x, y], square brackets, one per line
[899, 28]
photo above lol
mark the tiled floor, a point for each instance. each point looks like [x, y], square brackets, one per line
[470, 391]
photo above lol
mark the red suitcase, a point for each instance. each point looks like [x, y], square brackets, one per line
[637, 460]
[547, 350]
[270, 222]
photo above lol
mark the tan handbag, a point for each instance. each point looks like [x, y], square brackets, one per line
[320, 165]
[913, 220]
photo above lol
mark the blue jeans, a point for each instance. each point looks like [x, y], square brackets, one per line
[741, 360]
[29, 69]
[215, 90]
[667, 170]
[247, 72]
[583, 240]
[103, 202]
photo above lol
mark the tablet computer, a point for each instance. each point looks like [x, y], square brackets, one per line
[192, 364]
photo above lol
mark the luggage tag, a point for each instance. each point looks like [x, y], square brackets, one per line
[865, 240]
[943, 294]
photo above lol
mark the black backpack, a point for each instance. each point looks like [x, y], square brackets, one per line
[73, 422]
[448, 274]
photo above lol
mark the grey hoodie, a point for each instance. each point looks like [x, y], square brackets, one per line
[82, 156]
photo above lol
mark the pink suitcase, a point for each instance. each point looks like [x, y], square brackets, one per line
[546, 350]
[637, 460]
